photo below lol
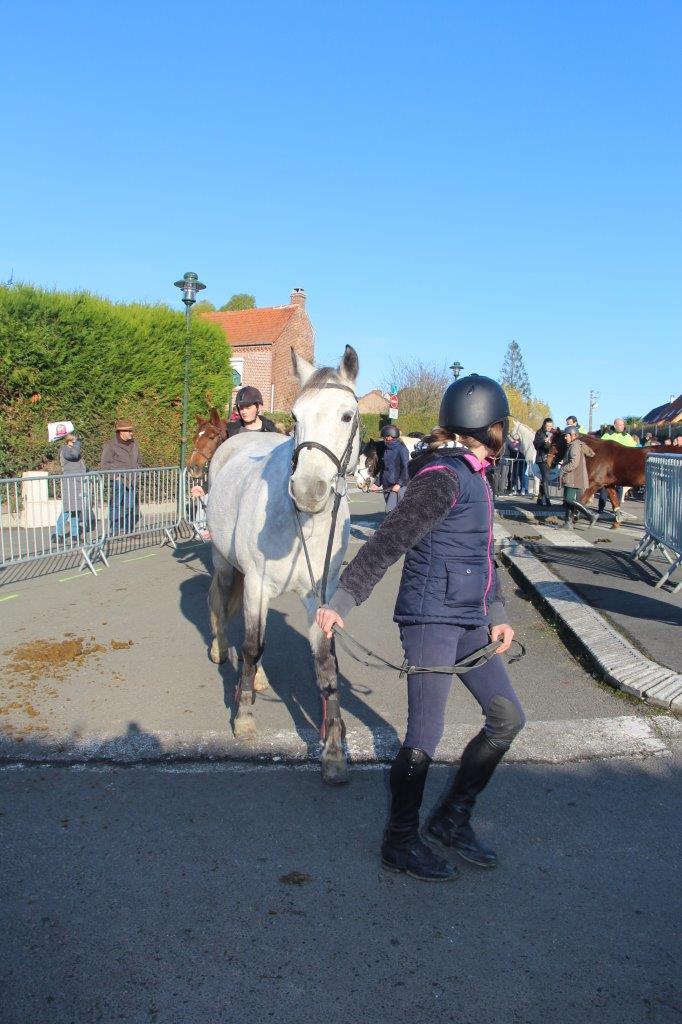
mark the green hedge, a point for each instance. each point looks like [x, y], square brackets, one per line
[372, 422]
[76, 356]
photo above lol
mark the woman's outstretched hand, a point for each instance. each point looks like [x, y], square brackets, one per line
[327, 619]
[504, 633]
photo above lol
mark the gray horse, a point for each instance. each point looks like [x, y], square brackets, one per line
[259, 485]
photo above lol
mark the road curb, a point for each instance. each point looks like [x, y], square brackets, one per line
[548, 742]
[617, 660]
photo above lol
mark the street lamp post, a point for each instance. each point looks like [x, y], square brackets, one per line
[456, 369]
[189, 285]
[594, 395]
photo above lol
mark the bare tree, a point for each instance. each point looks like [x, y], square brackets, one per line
[420, 387]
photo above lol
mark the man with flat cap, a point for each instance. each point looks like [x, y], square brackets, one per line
[121, 455]
[248, 403]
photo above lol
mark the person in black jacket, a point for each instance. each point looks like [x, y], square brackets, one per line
[449, 606]
[396, 459]
[248, 403]
[542, 443]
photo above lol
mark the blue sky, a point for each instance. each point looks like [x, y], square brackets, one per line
[440, 177]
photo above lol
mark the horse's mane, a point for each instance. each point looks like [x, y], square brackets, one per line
[323, 375]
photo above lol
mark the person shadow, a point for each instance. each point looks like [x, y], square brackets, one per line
[287, 661]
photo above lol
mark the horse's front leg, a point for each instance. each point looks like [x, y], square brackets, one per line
[256, 602]
[613, 498]
[333, 731]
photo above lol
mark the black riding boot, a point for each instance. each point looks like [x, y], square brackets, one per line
[402, 848]
[449, 823]
[577, 510]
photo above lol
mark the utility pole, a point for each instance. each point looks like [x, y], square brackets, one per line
[594, 395]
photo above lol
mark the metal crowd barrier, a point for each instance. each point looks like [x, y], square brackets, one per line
[142, 501]
[662, 513]
[43, 515]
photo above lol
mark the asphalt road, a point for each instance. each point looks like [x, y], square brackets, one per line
[165, 894]
[121, 659]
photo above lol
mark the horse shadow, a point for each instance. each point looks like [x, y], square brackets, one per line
[287, 660]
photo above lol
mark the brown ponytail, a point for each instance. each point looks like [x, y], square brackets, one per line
[493, 437]
[438, 437]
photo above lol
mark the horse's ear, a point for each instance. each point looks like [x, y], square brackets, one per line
[200, 419]
[302, 368]
[215, 417]
[350, 365]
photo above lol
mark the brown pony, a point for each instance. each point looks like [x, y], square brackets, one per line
[613, 465]
[209, 434]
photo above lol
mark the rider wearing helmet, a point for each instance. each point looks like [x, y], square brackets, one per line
[449, 605]
[394, 474]
[248, 402]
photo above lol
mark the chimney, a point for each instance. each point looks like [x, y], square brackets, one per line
[298, 297]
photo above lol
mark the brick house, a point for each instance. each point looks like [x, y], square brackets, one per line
[261, 340]
[373, 401]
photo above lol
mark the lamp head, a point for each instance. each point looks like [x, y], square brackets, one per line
[189, 287]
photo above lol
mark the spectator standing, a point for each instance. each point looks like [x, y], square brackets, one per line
[620, 434]
[574, 478]
[394, 474]
[72, 463]
[572, 421]
[542, 444]
[121, 456]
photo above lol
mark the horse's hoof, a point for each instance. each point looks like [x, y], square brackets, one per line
[335, 772]
[216, 655]
[616, 525]
[245, 726]
[260, 681]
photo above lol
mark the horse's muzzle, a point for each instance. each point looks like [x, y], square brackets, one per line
[309, 497]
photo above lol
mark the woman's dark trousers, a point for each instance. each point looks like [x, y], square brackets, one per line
[573, 507]
[544, 482]
[441, 644]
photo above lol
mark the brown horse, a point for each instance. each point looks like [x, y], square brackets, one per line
[209, 434]
[614, 465]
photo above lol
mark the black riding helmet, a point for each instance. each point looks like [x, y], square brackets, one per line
[390, 431]
[473, 403]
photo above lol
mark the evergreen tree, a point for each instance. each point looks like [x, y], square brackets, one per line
[514, 372]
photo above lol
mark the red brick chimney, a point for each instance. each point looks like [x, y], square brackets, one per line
[298, 297]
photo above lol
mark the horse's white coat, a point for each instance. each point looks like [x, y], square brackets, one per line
[253, 525]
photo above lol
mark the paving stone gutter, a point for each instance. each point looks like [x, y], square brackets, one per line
[616, 660]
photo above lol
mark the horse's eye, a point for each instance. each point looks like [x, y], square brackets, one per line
[347, 417]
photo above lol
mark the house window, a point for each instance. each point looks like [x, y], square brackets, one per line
[237, 372]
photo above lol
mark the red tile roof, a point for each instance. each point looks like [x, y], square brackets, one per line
[253, 326]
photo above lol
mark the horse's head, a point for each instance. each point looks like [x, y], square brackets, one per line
[557, 448]
[369, 463]
[326, 435]
[513, 429]
[210, 433]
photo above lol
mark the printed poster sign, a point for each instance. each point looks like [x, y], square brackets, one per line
[58, 431]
